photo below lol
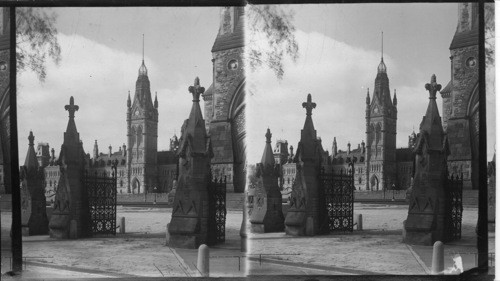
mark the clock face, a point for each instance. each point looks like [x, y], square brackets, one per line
[471, 62]
[137, 112]
[232, 65]
[375, 110]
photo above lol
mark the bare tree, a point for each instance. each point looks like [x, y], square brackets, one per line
[272, 24]
[36, 40]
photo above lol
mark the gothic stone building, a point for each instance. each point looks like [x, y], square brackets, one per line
[377, 164]
[140, 167]
[224, 105]
[461, 97]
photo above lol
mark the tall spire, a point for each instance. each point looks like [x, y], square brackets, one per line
[381, 67]
[382, 51]
[143, 71]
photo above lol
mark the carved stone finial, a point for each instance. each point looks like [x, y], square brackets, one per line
[268, 136]
[71, 107]
[309, 105]
[31, 138]
[433, 87]
[196, 90]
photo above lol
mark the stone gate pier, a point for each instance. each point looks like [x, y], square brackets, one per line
[189, 225]
[267, 215]
[34, 219]
[428, 211]
[303, 217]
[70, 217]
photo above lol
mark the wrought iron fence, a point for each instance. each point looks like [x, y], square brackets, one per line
[101, 192]
[217, 211]
[337, 200]
[454, 187]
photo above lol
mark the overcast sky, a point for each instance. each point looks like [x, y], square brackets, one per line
[339, 48]
[101, 55]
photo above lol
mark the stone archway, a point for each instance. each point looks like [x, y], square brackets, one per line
[136, 185]
[237, 119]
[473, 116]
[374, 182]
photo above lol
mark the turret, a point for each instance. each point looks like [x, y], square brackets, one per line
[129, 102]
[334, 147]
[395, 99]
[96, 151]
[363, 146]
[124, 150]
[156, 100]
[368, 96]
[110, 151]
[349, 148]
[290, 158]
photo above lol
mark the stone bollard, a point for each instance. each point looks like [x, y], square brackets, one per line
[438, 258]
[73, 229]
[122, 225]
[359, 226]
[310, 226]
[203, 264]
[167, 235]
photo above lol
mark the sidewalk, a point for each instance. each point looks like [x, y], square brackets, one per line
[226, 260]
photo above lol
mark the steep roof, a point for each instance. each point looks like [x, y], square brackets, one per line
[234, 39]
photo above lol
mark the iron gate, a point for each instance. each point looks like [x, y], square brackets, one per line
[217, 211]
[455, 187]
[338, 200]
[101, 191]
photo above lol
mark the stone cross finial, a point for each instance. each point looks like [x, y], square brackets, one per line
[433, 87]
[309, 105]
[196, 90]
[268, 136]
[31, 138]
[71, 107]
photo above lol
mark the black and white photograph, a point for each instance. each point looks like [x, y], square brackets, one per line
[282, 141]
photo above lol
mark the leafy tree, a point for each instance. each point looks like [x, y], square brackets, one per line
[489, 33]
[36, 40]
[272, 24]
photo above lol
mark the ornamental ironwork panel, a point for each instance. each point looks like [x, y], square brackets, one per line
[101, 191]
[217, 211]
[454, 187]
[337, 199]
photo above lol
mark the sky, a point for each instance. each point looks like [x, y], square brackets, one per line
[101, 56]
[340, 49]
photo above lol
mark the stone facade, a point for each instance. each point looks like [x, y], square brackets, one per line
[142, 136]
[461, 98]
[224, 105]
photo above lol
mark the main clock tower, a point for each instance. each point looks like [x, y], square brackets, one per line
[381, 117]
[142, 136]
